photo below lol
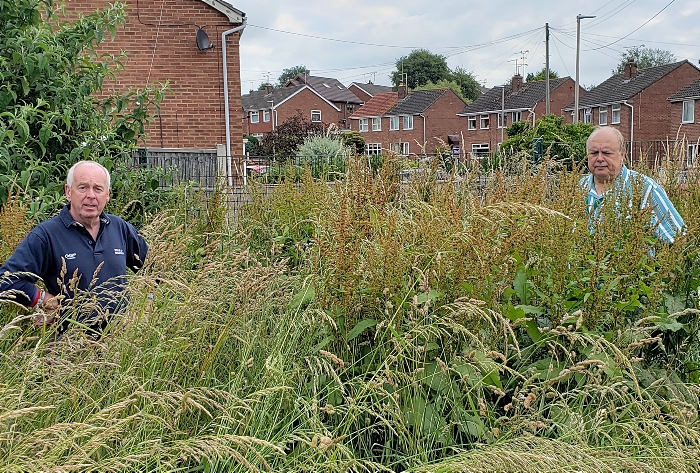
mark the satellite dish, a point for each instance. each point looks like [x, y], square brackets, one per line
[203, 42]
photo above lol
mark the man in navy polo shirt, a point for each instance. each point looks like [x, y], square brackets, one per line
[81, 255]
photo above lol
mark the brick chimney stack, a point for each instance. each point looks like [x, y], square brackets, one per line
[516, 83]
[403, 91]
[268, 89]
[630, 69]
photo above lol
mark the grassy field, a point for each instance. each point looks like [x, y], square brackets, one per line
[374, 325]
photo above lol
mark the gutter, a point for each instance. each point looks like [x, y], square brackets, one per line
[227, 111]
[631, 129]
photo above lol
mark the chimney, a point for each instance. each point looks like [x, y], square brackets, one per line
[516, 83]
[630, 69]
[403, 91]
[268, 89]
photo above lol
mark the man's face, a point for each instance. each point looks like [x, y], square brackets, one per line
[604, 156]
[89, 193]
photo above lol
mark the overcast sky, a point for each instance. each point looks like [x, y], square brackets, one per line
[360, 40]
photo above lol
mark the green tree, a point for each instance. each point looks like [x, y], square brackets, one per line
[644, 57]
[291, 73]
[354, 140]
[541, 75]
[550, 136]
[470, 87]
[444, 84]
[284, 141]
[264, 86]
[50, 113]
[419, 68]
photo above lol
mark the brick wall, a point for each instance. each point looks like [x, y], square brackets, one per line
[359, 93]
[159, 40]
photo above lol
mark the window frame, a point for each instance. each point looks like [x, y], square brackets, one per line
[603, 112]
[484, 119]
[587, 115]
[518, 114]
[377, 124]
[501, 117]
[691, 155]
[613, 110]
[471, 122]
[408, 122]
[254, 116]
[318, 113]
[266, 116]
[394, 123]
[373, 149]
[402, 148]
[363, 125]
[684, 110]
[480, 149]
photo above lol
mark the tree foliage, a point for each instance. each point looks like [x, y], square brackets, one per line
[541, 75]
[470, 87]
[644, 57]
[419, 68]
[284, 141]
[291, 73]
[550, 136]
[444, 84]
[50, 115]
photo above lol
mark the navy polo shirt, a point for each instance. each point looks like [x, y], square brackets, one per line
[70, 262]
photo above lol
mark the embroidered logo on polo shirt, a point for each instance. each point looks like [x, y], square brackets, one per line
[118, 251]
[69, 256]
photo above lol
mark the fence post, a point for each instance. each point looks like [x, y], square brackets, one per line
[222, 169]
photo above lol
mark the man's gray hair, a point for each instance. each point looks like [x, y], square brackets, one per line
[620, 138]
[71, 171]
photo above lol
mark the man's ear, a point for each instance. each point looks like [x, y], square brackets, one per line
[66, 190]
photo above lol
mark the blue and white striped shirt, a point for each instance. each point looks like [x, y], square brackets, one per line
[665, 219]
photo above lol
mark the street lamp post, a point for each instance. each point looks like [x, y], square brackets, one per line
[579, 17]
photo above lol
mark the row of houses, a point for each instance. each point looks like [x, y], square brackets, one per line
[651, 107]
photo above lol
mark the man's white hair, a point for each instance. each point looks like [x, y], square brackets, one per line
[71, 172]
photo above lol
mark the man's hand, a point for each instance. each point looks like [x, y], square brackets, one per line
[48, 308]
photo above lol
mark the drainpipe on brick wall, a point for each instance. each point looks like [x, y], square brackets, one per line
[229, 167]
[425, 142]
[631, 129]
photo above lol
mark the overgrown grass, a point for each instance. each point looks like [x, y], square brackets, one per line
[375, 325]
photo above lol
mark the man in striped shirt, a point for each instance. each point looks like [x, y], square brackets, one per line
[610, 179]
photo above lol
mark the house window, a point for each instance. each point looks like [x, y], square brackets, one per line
[615, 113]
[393, 123]
[376, 124]
[688, 115]
[471, 122]
[516, 116]
[254, 117]
[259, 136]
[484, 122]
[363, 124]
[315, 115]
[408, 122]
[400, 148]
[587, 115]
[373, 148]
[692, 155]
[479, 150]
[501, 119]
[266, 116]
[603, 116]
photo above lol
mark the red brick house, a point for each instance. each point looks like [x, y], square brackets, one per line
[686, 117]
[263, 110]
[501, 106]
[334, 92]
[160, 40]
[364, 92]
[408, 123]
[637, 103]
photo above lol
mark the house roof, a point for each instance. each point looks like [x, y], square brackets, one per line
[261, 100]
[527, 97]
[234, 15]
[618, 89]
[691, 91]
[416, 102]
[377, 105]
[372, 89]
[328, 88]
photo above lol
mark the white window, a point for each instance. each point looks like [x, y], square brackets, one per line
[393, 123]
[373, 148]
[254, 117]
[603, 116]
[408, 122]
[516, 116]
[501, 119]
[266, 116]
[688, 115]
[692, 155]
[615, 113]
[484, 122]
[362, 124]
[259, 136]
[587, 115]
[376, 124]
[400, 148]
[471, 122]
[315, 115]
[479, 150]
